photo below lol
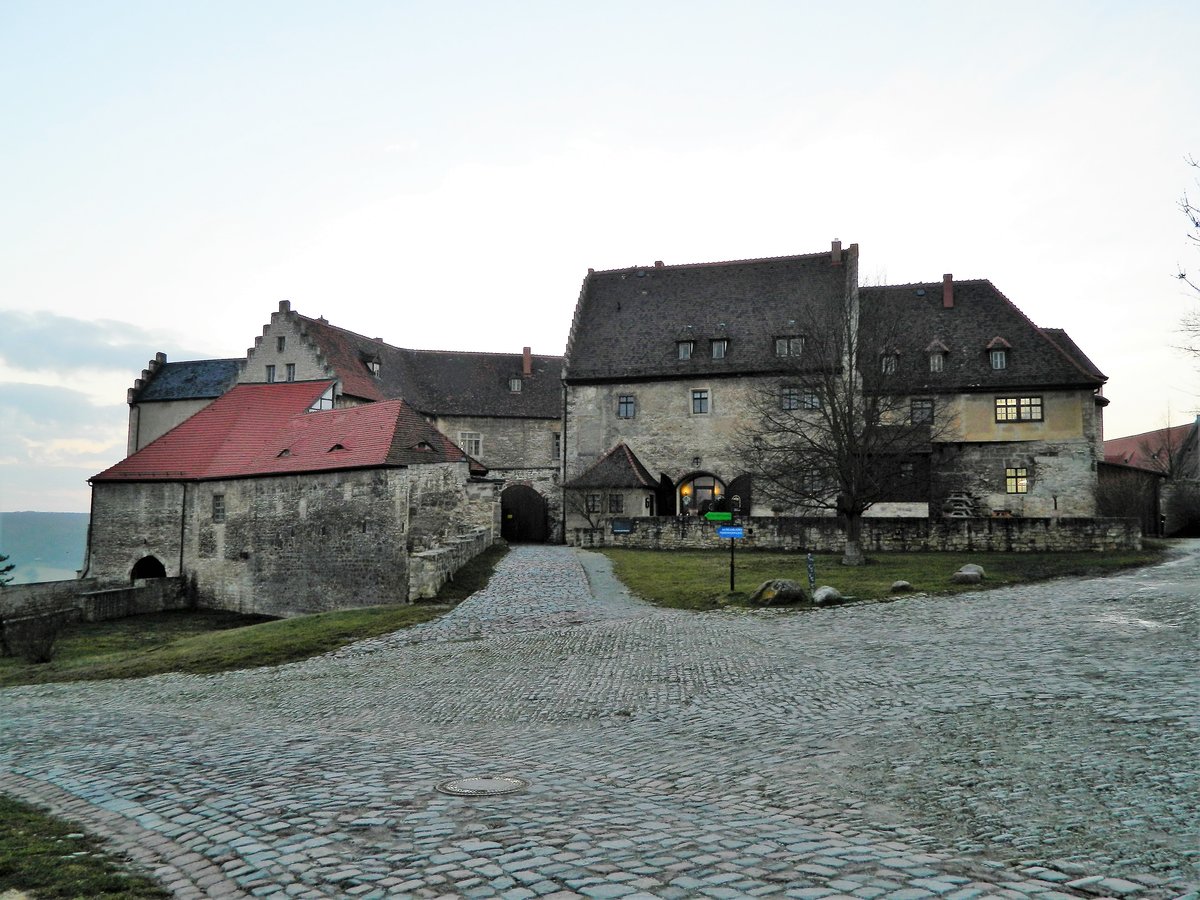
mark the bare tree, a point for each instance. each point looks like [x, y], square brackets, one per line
[837, 429]
[1191, 322]
[580, 502]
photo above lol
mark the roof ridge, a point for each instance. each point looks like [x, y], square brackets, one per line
[718, 262]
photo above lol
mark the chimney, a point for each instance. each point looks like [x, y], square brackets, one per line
[527, 362]
[658, 264]
[948, 291]
[285, 305]
[835, 253]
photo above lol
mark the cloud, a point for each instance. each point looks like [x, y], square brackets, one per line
[45, 342]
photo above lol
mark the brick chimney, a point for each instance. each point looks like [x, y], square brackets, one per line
[527, 362]
[835, 253]
[948, 291]
[658, 264]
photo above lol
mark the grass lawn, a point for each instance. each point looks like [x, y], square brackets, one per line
[51, 858]
[699, 579]
[205, 641]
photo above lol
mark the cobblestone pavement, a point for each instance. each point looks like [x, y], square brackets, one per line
[1033, 742]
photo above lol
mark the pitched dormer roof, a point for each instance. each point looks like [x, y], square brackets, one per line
[618, 468]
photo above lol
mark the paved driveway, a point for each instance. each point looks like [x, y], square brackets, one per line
[1033, 742]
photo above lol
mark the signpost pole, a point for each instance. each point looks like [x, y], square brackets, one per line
[732, 542]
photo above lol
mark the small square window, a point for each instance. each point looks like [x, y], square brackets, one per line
[720, 347]
[810, 399]
[699, 403]
[291, 371]
[937, 362]
[280, 344]
[218, 508]
[593, 503]
[616, 503]
[789, 398]
[626, 406]
[1016, 480]
[999, 359]
[684, 349]
[471, 443]
[514, 385]
[270, 374]
[921, 412]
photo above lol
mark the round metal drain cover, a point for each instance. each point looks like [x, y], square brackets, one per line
[482, 786]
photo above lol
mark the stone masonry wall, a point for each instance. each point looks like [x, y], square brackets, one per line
[823, 535]
[131, 521]
[506, 442]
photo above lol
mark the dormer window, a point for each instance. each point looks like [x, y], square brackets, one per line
[719, 347]
[373, 367]
[424, 447]
[283, 454]
[789, 345]
[325, 401]
[937, 361]
[684, 349]
[337, 447]
[514, 385]
[999, 358]
[887, 364]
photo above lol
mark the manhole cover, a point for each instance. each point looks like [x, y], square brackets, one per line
[482, 786]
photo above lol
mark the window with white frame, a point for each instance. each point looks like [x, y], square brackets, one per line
[999, 358]
[719, 347]
[325, 401]
[514, 385]
[471, 442]
[683, 349]
[937, 362]
[789, 345]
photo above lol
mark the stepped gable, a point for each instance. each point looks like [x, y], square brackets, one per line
[441, 382]
[618, 468]
[267, 429]
[628, 321]
[978, 317]
[193, 379]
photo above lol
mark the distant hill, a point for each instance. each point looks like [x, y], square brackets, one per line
[43, 546]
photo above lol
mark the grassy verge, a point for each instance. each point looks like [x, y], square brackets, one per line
[206, 641]
[699, 579]
[51, 858]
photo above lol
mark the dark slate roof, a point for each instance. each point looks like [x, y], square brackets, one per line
[441, 382]
[267, 429]
[618, 468]
[193, 379]
[628, 321]
[1037, 357]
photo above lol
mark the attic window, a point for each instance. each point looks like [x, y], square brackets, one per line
[937, 361]
[514, 385]
[337, 447]
[720, 347]
[280, 343]
[424, 446]
[373, 366]
[789, 345]
[887, 364]
[684, 349]
[999, 358]
[282, 453]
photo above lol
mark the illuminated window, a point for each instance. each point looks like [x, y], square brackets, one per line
[1018, 409]
[1016, 480]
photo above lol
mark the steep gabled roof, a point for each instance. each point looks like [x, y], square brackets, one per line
[618, 468]
[981, 318]
[266, 429]
[192, 379]
[440, 382]
[628, 321]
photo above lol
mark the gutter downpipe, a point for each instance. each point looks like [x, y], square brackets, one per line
[182, 527]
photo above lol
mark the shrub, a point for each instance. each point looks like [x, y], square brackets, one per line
[34, 638]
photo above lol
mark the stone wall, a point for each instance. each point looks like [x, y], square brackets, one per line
[86, 600]
[506, 442]
[430, 569]
[823, 535]
[133, 521]
[547, 482]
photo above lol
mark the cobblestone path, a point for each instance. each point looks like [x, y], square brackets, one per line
[1036, 742]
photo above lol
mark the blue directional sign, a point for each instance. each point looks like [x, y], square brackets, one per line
[731, 531]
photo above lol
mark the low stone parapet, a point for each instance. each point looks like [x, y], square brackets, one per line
[428, 570]
[879, 535]
[88, 600]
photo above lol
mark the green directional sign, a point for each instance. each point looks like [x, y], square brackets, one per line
[719, 516]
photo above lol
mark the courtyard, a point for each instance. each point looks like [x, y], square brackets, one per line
[1030, 741]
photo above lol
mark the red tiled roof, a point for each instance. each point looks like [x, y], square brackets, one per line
[341, 352]
[266, 429]
[1149, 450]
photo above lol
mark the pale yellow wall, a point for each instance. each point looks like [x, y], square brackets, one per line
[1067, 415]
[150, 421]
